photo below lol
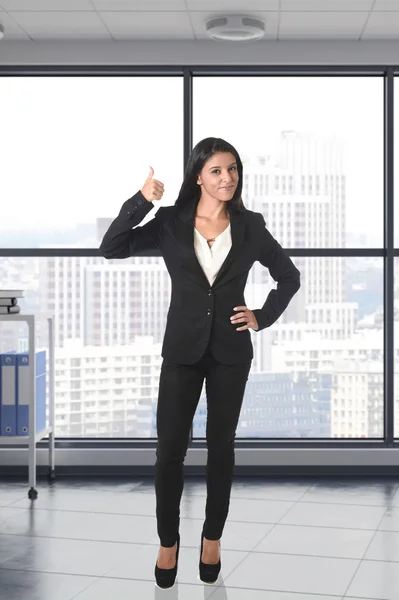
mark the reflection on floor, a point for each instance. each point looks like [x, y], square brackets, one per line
[284, 540]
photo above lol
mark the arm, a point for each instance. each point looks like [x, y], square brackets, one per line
[121, 241]
[283, 271]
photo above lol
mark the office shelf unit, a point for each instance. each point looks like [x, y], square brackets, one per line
[35, 436]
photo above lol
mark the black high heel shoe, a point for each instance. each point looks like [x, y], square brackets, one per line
[165, 578]
[208, 573]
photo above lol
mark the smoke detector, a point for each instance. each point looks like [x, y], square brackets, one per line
[235, 28]
[1, 31]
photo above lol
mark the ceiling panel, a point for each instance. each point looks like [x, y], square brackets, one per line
[229, 6]
[34, 5]
[146, 5]
[148, 25]
[382, 24]
[270, 18]
[321, 25]
[330, 5]
[61, 25]
[185, 19]
[12, 29]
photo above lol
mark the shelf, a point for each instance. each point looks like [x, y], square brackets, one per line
[24, 439]
[31, 440]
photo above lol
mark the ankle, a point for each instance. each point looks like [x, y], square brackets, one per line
[168, 548]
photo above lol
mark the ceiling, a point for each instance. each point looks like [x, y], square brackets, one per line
[130, 20]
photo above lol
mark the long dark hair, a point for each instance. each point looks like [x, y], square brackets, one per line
[190, 191]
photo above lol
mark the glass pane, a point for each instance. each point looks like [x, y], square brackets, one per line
[74, 148]
[312, 149]
[318, 371]
[109, 319]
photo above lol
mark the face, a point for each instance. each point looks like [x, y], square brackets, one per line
[219, 176]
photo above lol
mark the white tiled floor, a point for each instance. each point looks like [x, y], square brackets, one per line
[283, 540]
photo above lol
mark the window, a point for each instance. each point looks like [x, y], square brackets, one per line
[100, 166]
[92, 134]
[299, 141]
[321, 371]
[328, 158]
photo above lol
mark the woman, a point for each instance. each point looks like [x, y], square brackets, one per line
[209, 242]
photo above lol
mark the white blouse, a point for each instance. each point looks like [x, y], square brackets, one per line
[212, 258]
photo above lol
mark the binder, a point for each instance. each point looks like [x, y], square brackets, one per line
[23, 391]
[8, 383]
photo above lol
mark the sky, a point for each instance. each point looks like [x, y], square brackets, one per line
[75, 148]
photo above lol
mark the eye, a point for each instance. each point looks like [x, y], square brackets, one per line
[218, 170]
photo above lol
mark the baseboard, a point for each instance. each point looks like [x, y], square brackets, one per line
[275, 472]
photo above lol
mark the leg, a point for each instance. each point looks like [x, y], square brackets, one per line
[225, 387]
[32, 494]
[179, 391]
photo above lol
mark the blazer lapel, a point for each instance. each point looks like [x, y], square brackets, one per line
[185, 239]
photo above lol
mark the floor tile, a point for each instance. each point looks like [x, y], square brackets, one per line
[11, 545]
[385, 547]
[363, 493]
[377, 580]
[80, 525]
[316, 541]
[280, 572]
[390, 522]
[106, 588]
[334, 515]
[258, 511]
[269, 491]
[395, 498]
[92, 501]
[7, 513]
[8, 496]
[244, 536]
[236, 594]
[76, 557]
[27, 585]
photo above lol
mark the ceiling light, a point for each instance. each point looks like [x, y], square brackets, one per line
[235, 28]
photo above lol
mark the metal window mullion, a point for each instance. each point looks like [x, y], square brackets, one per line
[389, 350]
[188, 140]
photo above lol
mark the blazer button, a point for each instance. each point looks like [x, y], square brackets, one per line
[209, 292]
[139, 201]
[208, 312]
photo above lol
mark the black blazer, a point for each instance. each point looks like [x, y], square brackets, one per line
[199, 313]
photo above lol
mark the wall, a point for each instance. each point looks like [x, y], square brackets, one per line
[199, 53]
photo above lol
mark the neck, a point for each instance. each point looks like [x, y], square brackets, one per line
[211, 209]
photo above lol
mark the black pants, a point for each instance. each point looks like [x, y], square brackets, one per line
[180, 388]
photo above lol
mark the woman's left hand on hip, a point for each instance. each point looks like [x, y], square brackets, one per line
[244, 316]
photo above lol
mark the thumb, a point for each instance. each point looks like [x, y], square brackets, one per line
[151, 174]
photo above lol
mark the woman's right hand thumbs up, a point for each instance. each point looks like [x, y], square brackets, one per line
[152, 188]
